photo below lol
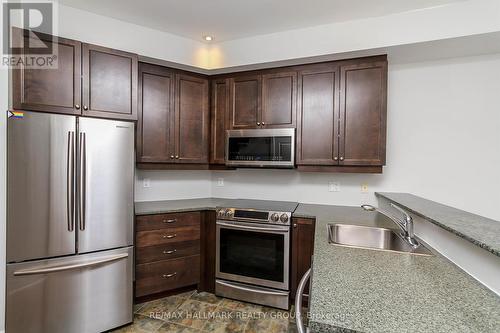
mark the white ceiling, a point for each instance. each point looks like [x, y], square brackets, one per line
[233, 19]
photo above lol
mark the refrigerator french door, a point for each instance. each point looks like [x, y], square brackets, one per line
[69, 223]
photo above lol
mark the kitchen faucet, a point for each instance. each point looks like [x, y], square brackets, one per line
[406, 224]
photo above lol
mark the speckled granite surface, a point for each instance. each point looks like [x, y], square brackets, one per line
[479, 230]
[174, 206]
[358, 290]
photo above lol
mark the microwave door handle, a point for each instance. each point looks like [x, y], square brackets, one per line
[237, 226]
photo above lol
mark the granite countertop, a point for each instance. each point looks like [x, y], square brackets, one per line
[376, 291]
[176, 206]
[482, 231]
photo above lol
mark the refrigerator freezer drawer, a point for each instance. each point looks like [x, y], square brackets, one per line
[84, 293]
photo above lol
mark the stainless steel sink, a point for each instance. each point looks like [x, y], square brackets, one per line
[371, 238]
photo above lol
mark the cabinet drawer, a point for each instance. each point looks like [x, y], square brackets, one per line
[167, 251]
[166, 275]
[166, 236]
[160, 221]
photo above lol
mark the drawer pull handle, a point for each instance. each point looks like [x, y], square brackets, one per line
[169, 236]
[169, 252]
[167, 276]
[170, 221]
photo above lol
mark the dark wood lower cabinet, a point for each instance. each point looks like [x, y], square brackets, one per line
[302, 251]
[165, 275]
[208, 239]
[167, 265]
[167, 252]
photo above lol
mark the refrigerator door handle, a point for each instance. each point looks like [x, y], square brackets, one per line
[70, 176]
[53, 269]
[83, 180]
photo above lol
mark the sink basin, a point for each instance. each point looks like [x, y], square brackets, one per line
[371, 238]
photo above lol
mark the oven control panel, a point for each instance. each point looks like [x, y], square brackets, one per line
[251, 215]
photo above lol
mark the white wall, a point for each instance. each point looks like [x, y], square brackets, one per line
[3, 187]
[96, 29]
[463, 18]
[443, 143]
[169, 185]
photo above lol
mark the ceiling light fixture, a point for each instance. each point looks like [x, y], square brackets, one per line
[208, 38]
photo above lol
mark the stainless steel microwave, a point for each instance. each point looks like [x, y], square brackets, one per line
[273, 148]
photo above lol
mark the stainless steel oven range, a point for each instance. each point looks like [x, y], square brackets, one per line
[253, 251]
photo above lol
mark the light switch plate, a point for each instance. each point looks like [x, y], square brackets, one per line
[146, 182]
[220, 182]
[364, 188]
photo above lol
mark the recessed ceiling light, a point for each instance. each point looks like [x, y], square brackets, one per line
[208, 38]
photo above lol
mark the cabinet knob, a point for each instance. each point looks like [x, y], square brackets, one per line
[85, 107]
[177, 156]
[295, 225]
[335, 158]
[169, 221]
[77, 106]
[258, 123]
[341, 158]
[263, 123]
[169, 252]
[171, 156]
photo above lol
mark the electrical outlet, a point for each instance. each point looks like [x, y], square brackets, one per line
[146, 182]
[364, 188]
[333, 187]
[220, 182]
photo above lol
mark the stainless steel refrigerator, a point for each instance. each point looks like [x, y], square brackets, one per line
[69, 223]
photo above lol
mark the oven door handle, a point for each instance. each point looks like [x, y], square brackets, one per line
[253, 290]
[239, 226]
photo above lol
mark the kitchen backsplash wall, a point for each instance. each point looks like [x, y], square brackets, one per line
[443, 144]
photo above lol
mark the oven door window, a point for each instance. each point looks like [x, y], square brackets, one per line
[272, 148]
[252, 254]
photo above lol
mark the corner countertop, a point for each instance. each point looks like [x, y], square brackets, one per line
[358, 290]
[482, 231]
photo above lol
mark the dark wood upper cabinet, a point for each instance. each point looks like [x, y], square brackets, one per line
[279, 100]
[302, 252]
[109, 83]
[219, 120]
[192, 119]
[245, 101]
[174, 120]
[156, 114]
[49, 90]
[363, 109]
[89, 80]
[317, 126]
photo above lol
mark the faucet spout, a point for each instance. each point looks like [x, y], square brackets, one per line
[405, 225]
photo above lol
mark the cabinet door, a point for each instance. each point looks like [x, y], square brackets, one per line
[156, 115]
[363, 113]
[208, 252]
[191, 119]
[245, 102]
[302, 251]
[49, 90]
[109, 83]
[279, 93]
[219, 121]
[317, 124]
